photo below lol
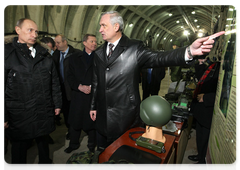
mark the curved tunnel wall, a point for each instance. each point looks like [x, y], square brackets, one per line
[74, 18]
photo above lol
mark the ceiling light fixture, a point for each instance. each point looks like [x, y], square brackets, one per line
[185, 32]
[200, 34]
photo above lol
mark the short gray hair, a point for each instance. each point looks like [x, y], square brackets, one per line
[115, 17]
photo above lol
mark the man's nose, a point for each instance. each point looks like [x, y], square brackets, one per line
[34, 34]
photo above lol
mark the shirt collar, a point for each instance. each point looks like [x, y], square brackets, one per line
[33, 51]
[115, 43]
[65, 52]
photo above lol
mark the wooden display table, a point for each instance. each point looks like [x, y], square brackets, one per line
[166, 157]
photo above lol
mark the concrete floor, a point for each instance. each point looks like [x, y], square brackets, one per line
[58, 155]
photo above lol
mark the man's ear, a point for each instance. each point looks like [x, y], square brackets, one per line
[116, 27]
[65, 42]
[84, 43]
[17, 29]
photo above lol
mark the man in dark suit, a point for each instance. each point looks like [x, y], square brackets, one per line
[79, 78]
[60, 58]
[116, 100]
[203, 104]
[151, 81]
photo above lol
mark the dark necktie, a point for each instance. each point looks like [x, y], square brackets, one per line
[110, 50]
[61, 66]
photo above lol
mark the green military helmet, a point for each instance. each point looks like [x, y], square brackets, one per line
[155, 111]
[177, 43]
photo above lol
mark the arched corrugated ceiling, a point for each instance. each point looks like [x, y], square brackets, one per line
[151, 24]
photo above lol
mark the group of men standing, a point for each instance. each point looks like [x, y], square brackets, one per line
[75, 73]
[36, 83]
[102, 85]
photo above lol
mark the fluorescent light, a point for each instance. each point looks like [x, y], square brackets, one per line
[185, 32]
[200, 34]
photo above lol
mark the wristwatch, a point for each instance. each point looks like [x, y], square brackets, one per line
[189, 52]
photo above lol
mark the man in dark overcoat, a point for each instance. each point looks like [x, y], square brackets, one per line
[65, 50]
[32, 93]
[79, 78]
[116, 100]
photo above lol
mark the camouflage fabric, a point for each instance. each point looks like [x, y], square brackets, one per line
[81, 158]
[89, 161]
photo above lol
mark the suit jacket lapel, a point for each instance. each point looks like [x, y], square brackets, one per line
[101, 52]
[116, 53]
[122, 45]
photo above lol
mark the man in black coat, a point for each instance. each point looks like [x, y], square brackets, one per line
[116, 100]
[151, 81]
[32, 93]
[203, 104]
[64, 50]
[79, 78]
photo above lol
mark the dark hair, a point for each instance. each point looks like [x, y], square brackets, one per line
[64, 38]
[85, 37]
[48, 40]
[20, 22]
